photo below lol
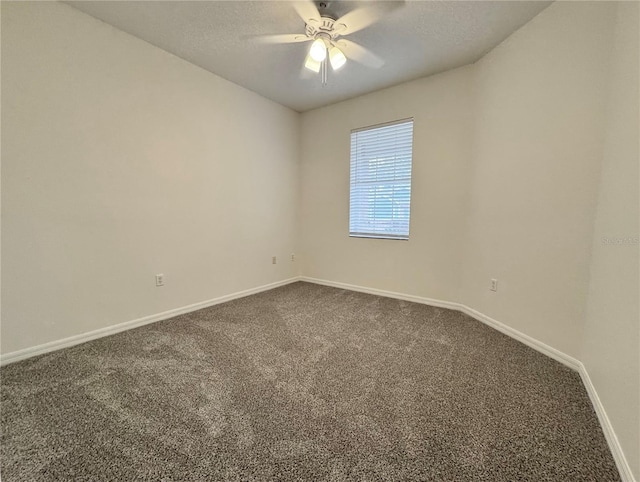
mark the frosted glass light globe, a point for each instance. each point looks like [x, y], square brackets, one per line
[318, 50]
[337, 58]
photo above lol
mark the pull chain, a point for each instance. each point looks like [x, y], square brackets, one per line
[324, 72]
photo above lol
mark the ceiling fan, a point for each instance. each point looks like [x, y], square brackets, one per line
[325, 31]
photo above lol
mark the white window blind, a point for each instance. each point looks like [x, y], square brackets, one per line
[381, 180]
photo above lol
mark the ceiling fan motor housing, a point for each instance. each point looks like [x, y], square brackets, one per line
[326, 28]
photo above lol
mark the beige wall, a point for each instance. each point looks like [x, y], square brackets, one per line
[540, 100]
[505, 173]
[507, 163]
[611, 350]
[429, 263]
[121, 161]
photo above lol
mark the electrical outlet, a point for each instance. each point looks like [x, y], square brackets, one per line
[273, 260]
[494, 285]
[159, 280]
[293, 257]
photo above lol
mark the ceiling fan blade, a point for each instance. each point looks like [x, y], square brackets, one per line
[307, 10]
[287, 38]
[358, 53]
[365, 16]
[359, 19]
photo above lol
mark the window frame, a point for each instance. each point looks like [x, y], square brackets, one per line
[377, 233]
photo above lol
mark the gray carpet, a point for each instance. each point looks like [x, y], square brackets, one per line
[303, 382]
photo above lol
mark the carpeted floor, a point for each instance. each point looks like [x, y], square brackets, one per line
[303, 382]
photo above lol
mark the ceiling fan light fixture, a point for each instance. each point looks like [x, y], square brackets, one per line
[312, 64]
[318, 50]
[337, 58]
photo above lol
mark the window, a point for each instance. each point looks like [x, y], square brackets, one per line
[380, 200]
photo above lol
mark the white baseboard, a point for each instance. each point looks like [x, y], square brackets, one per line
[507, 330]
[388, 294]
[612, 440]
[607, 428]
[15, 356]
[537, 345]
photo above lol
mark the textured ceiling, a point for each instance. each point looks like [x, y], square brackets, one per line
[416, 39]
